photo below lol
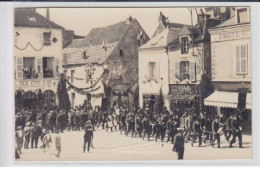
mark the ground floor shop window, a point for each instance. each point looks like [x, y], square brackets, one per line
[48, 67]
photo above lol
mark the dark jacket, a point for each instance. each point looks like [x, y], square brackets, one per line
[178, 143]
[88, 133]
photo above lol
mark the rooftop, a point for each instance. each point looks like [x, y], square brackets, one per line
[94, 54]
[28, 17]
[97, 36]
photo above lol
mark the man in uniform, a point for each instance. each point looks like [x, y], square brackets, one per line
[27, 135]
[146, 127]
[88, 136]
[236, 131]
[196, 128]
[170, 129]
[178, 144]
[216, 131]
[208, 130]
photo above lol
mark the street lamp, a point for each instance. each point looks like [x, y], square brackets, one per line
[89, 69]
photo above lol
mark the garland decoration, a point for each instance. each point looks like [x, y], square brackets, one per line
[31, 46]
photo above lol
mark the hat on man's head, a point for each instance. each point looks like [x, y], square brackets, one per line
[180, 129]
[19, 127]
[28, 124]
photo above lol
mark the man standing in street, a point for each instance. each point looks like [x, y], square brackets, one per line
[178, 144]
[196, 128]
[236, 131]
[88, 136]
[27, 135]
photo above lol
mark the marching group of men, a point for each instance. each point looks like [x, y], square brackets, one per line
[179, 128]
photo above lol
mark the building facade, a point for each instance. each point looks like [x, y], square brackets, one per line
[174, 60]
[122, 61]
[37, 59]
[84, 67]
[231, 66]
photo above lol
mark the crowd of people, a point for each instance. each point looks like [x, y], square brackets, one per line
[34, 125]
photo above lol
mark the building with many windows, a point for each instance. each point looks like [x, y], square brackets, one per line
[231, 66]
[175, 59]
[37, 58]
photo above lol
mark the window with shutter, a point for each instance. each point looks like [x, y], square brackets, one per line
[192, 71]
[157, 72]
[57, 67]
[151, 70]
[39, 67]
[241, 60]
[177, 70]
[19, 67]
[184, 70]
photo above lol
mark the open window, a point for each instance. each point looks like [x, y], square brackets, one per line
[29, 68]
[48, 67]
[242, 15]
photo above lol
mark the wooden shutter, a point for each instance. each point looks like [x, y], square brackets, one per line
[39, 67]
[19, 67]
[238, 63]
[146, 74]
[57, 67]
[243, 58]
[192, 71]
[177, 70]
[157, 72]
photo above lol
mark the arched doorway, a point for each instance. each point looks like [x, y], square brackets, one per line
[29, 100]
[49, 98]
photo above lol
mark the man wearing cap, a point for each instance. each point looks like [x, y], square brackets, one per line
[19, 134]
[178, 144]
[146, 127]
[27, 135]
[196, 128]
[88, 136]
[236, 131]
[215, 130]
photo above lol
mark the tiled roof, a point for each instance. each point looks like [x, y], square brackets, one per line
[28, 17]
[109, 34]
[163, 39]
[94, 54]
[231, 21]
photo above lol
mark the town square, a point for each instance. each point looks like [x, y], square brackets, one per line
[160, 84]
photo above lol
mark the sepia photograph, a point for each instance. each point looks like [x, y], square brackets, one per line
[132, 83]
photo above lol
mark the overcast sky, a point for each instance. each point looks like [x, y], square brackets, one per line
[82, 20]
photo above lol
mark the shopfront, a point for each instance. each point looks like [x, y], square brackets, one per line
[183, 97]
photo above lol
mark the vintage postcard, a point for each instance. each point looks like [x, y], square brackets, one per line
[138, 84]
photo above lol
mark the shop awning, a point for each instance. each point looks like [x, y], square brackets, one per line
[226, 99]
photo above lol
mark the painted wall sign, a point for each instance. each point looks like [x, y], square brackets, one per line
[230, 35]
[38, 82]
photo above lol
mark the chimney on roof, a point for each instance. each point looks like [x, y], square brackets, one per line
[48, 13]
[129, 20]
[163, 20]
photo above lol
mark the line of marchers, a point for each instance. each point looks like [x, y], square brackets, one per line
[191, 66]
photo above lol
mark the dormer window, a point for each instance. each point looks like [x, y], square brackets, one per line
[121, 53]
[32, 18]
[184, 45]
[47, 38]
[242, 15]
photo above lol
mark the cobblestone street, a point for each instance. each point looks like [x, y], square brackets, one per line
[111, 146]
